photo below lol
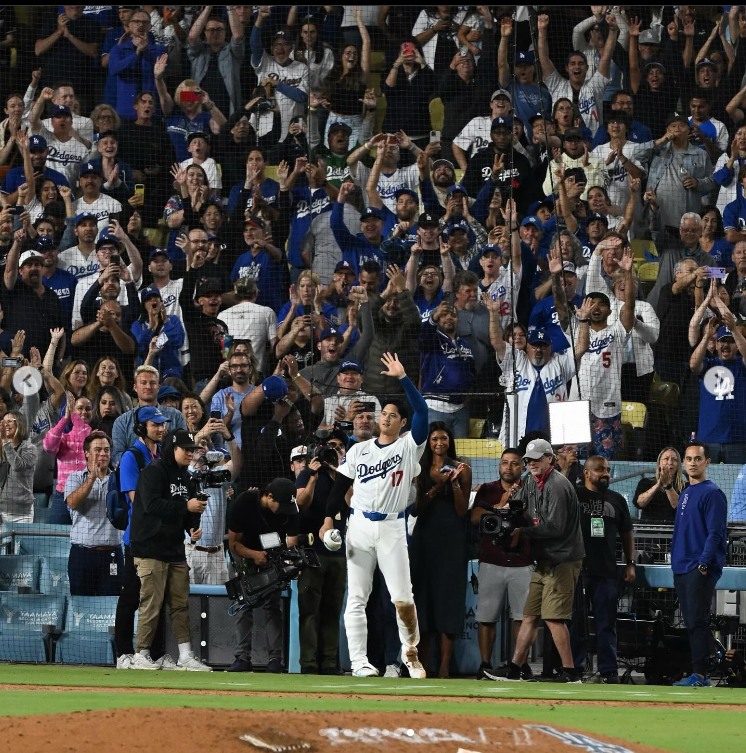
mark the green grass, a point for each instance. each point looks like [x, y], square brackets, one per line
[671, 729]
[76, 676]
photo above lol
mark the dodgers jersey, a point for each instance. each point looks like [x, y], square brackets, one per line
[382, 474]
[589, 99]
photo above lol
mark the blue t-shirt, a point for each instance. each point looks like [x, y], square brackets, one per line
[129, 474]
[734, 215]
[178, 126]
[110, 88]
[722, 253]
[721, 416]
[17, 177]
[427, 307]
[529, 99]
[63, 283]
[638, 133]
[544, 314]
[699, 531]
[269, 189]
[307, 207]
[328, 311]
[266, 273]
[218, 403]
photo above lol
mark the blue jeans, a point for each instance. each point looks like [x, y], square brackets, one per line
[59, 513]
[92, 573]
[601, 593]
[695, 592]
[457, 422]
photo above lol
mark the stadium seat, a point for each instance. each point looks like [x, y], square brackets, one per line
[156, 235]
[19, 570]
[643, 249]
[437, 115]
[52, 546]
[41, 502]
[475, 428]
[86, 639]
[635, 414]
[479, 448]
[377, 61]
[664, 395]
[53, 577]
[648, 272]
[22, 617]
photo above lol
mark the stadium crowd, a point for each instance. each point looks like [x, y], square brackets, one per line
[217, 219]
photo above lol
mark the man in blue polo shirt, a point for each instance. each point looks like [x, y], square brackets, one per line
[150, 428]
[37, 145]
[722, 392]
[697, 556]
[60, 280]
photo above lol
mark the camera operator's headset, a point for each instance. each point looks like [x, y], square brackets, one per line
[140, 428]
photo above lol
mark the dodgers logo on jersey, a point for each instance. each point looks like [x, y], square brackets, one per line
[381, 468]
[598, 344]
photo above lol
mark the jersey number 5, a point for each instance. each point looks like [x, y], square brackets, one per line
[606, 359]
[396, 478]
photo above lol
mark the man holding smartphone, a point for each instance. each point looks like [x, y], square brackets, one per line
[350, 398]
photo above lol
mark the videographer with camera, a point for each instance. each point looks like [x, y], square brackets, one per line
[214, 470]
[320, 590]
[502, 570]
[273, 509]
[166, 505]
[557, 547]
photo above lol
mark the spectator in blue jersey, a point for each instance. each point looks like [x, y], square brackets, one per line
[60, 280]
[191, 100]
[728, 167]
[734, 215]
[399, 226]
[637, 133]
[427, 238]
[707, 133]
[37, 146]
[465, 238]
[307, 193]
[528, 97]
[257, 189]
[262, 262]
[698, 551]
[722, 391]
[159, 336]
[113, 35]
[712, 241]
[365, 245]
[428, 282]
[304, 301]
[447, 370]
[544, 314]
[132, 62]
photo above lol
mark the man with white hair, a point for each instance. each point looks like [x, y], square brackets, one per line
[690, 231]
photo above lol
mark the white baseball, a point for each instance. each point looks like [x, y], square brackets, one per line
[333, 540]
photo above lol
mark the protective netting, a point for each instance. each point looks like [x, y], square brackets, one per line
[528, 209]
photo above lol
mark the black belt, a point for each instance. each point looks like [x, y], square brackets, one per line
[208, 549]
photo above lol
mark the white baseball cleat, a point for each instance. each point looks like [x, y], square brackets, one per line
[413, 664]
[365, 670]
[192, 664]
[392, 670]
[166, 662]
[144, 661]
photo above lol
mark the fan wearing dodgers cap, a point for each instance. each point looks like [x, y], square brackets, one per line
[38, 149]
[475, 135]
[347, 401]
[544, 313]
[159, 336]
[92, 199]
[722, 392]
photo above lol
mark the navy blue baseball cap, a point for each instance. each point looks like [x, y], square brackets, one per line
[502, 122]
[158, 252]
[597, 216]
[104, 238]
[37, 142]
[525, 58]
[532, 219]
[546, 116]
[149, 292]
[546, 203]
[61, 110]
[724, 332]
[453, 227]
[492, 249]
[407, 192]
[538, 335]
[457, 188]
[90, 167]
[372, 212]
[344, 266]
[167, 391]
[85, 216]
[350, 365]
[330, 332]
[45, 243]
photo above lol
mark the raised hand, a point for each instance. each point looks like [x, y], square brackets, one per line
[506, 26]
[397, 280]
[689, 26]
[555, 261]
[634, 26]
[498, 164]
[345, 190]
[490, 303]
[393, 366]
[178, 174]
[283, 170]
[56, 334]
[47, 92]
[626, 261]
[359, 295]
[542, 22]
[160, 66]
[584, 312]
[510, 214]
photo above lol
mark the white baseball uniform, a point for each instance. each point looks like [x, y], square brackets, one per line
[376, 534]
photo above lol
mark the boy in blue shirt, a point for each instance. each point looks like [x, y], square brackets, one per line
[698, 555]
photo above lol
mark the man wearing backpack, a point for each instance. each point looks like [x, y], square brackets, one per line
[95, 566]
[150, 426]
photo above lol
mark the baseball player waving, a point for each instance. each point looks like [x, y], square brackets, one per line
[380, 472]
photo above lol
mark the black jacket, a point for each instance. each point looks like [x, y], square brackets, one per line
[159, 511]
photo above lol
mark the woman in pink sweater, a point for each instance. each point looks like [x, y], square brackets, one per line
[67, 447]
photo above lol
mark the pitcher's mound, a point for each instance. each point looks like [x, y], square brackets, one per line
[191, 730]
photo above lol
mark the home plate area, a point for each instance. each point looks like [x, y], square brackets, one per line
[192, 730]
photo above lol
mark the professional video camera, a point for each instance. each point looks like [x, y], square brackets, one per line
[251, 588]
[319, 447]
[205, 475]
[501, 523]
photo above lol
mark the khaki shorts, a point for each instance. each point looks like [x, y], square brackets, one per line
[552, 591]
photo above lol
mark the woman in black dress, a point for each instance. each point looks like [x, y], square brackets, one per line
[438, 550]
[658, 498]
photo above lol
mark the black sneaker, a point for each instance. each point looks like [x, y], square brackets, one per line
[274, 666]
[571, 677]
[331, 671]
[544, 677]
[240, 665]
[527, 674]
[611, 679]
[507, 673]
[309, 671]
[481, 672]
